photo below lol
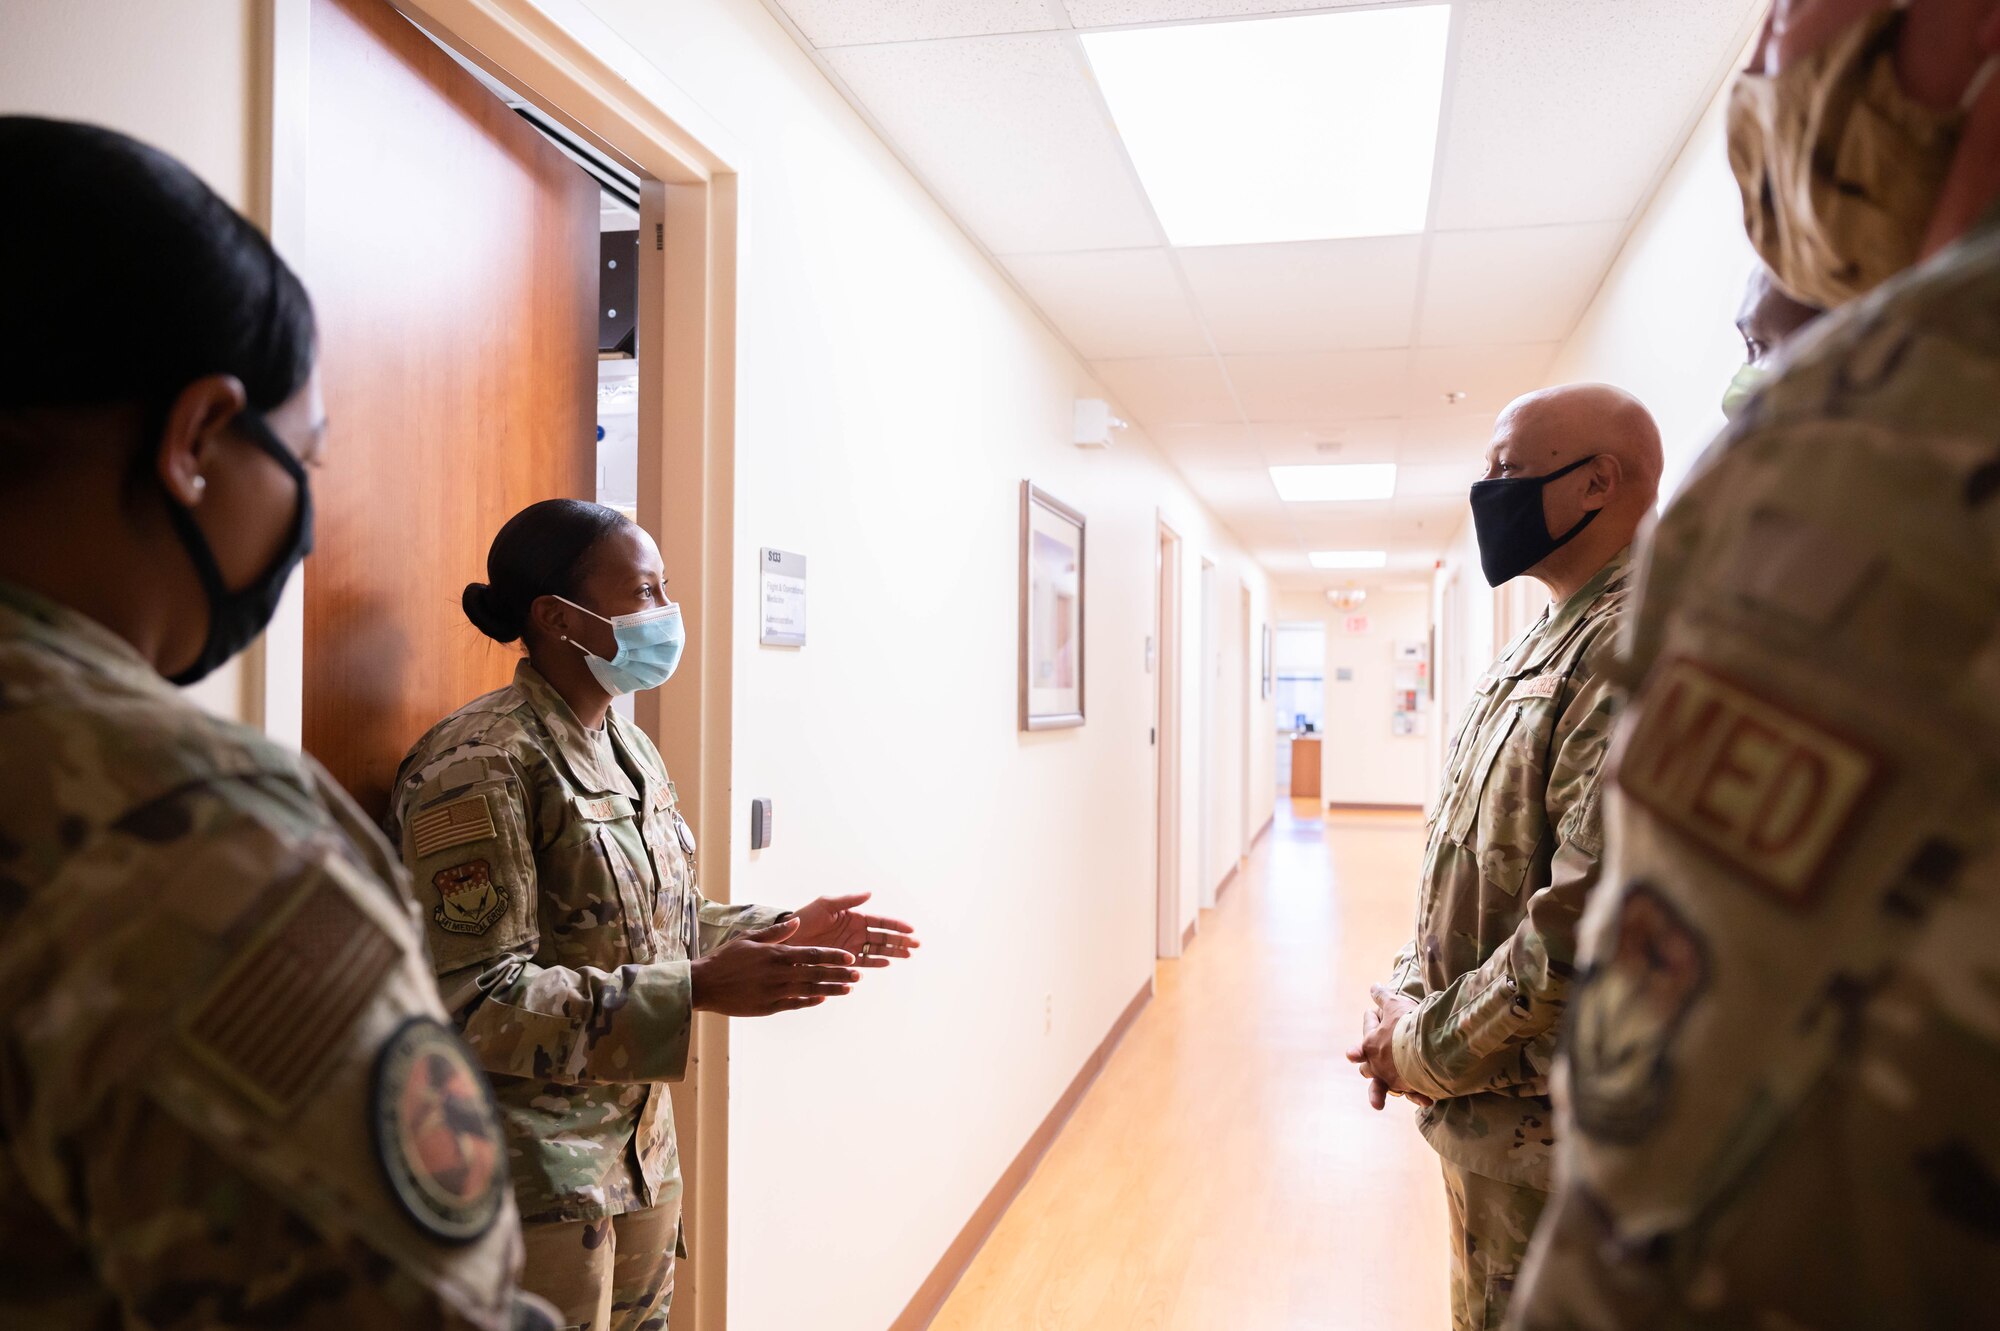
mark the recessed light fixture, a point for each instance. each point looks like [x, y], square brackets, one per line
[1317, 127]
[1335, 482]
[1349, 558]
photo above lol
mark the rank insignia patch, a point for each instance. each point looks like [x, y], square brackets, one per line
[437, 1133]
[469, 901]
[1626, 1013]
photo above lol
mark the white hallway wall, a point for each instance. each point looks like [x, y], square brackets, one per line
[141, 67]
[894, 391]
[1662, 327]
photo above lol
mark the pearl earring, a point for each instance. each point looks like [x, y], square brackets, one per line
[200, 484]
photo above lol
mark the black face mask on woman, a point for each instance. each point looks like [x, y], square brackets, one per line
[235, 618]
[1513, 532]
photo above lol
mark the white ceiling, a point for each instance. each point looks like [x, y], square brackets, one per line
[1560, 117]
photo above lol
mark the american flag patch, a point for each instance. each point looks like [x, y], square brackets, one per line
[284, 1009]
[453, 824]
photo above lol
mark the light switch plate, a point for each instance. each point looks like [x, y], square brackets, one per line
[760, 823]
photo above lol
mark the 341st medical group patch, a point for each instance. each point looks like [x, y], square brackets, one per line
[1758, 785]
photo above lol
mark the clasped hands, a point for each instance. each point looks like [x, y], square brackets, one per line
[1375, 1056]
[799, 962]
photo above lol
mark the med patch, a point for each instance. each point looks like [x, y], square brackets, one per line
[1765, 789]
[437, 1133]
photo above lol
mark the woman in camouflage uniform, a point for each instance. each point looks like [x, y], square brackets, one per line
[570, 938]
[228, 1097]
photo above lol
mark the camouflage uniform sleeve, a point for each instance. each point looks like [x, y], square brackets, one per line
[466, 822]
[720, 923]
[1494, 1026]
[1406, 977]
[230, 1082]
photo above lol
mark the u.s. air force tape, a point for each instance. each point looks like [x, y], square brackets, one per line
[437, 1133]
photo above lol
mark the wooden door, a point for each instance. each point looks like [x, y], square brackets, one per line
[451, 253]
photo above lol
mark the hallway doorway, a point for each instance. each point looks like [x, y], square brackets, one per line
[1168, 935]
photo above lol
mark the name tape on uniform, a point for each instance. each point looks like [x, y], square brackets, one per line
[1767, 790]
[1541, 686]
[455, 824]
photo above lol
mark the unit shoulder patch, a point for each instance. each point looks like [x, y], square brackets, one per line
[469, 901]
[458, 823]
[1626, 1013]
[437, 1133]
[1752, 782]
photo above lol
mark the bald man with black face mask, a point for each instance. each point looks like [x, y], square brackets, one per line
[1780, 1094]
[1468, 1022]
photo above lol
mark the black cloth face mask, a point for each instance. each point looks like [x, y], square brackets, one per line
[235, 618]
[1512, 530]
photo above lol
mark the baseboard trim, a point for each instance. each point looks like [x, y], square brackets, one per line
[951, 1268]
[1337, 807]
[1187, 934]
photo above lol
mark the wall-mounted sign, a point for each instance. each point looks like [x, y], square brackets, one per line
[783, 591]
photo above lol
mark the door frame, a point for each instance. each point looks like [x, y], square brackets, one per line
[1245, 834]
[576, 69]
[1168, 605]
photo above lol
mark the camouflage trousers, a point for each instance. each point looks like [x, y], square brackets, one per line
[615, 1274]
[1491, 1223]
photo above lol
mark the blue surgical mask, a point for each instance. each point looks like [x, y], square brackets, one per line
[649, 648]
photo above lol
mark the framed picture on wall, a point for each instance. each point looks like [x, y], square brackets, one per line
[1268, 685]
[1051, 626]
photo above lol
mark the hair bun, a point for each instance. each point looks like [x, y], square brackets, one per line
[478, 602]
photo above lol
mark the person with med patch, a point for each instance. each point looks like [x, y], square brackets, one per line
[1780, 1094]
[570, 937]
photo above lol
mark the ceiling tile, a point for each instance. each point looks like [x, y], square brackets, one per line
[856, 22]
[1332, 386]
[1289, 443]
[1436, 478]
[1337, 295]
[1565, 110]
[1106, 13]
[1446, 438]
[1112, 304]
[1526, 285]
[1490, 377]
[1207, 447]
[1009, 132]
[1167, 391]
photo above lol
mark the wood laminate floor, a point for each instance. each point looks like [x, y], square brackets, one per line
[1225, 1173]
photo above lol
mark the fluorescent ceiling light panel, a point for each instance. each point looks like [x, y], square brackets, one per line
[1349, 558]
[1319, 127]
[1345, 481]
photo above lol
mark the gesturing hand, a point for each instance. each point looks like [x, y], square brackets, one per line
[1375, 1056]
[874, 940]
[757, 974]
